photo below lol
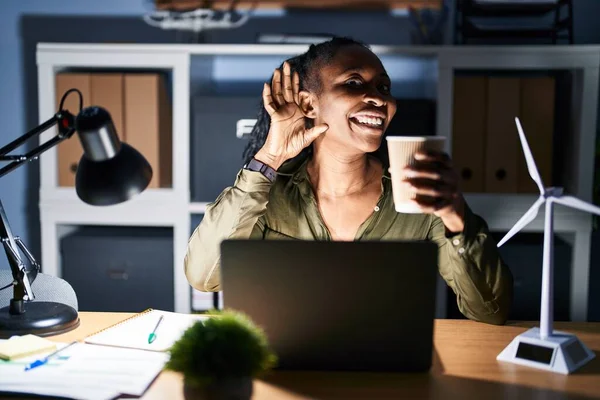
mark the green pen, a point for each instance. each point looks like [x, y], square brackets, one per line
[152, 336]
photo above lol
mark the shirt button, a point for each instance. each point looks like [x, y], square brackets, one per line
[456, 242]
[461, 250]
[376, 208]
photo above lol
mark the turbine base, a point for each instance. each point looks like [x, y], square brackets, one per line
[562, 352]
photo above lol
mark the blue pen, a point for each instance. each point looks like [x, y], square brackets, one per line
[43, 361]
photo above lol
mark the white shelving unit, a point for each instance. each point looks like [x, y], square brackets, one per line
[60, 207]
[501, 212]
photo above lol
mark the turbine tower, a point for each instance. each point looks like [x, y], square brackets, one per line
[543, 347]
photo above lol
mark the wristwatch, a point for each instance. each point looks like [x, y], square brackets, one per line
[258, 166]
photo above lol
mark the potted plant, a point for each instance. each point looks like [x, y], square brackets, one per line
[219, 357]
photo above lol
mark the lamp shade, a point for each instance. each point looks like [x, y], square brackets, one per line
[109, 172]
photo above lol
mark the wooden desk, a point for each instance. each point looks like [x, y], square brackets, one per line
[465, 367]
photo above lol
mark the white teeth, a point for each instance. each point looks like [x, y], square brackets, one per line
[370, 120]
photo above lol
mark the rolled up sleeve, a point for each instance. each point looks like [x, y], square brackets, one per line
[471, 265]
[235, 214]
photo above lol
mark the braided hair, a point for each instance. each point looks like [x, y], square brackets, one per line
[307, 65]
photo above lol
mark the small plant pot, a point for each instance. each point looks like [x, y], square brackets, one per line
[223, 389]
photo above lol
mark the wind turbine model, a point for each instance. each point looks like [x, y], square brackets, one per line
[543, 347]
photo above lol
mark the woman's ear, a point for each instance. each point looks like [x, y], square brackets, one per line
[308, 104]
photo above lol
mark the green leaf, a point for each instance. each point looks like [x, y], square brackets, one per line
[227, 345]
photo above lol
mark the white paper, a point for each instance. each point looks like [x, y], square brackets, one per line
[99, 372]
[76, 393]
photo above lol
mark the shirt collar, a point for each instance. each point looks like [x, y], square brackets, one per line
[380, 222]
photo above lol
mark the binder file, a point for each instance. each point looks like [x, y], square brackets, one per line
[537, 118]
[469, 131]
[502, 142]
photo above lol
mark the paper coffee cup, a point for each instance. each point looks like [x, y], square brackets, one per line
[401, 150]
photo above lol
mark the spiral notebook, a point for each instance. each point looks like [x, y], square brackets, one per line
[133, 332]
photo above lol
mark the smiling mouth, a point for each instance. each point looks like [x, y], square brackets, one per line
[368, 122]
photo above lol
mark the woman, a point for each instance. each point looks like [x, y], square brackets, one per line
[324, 116]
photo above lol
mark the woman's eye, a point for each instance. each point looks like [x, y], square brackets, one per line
[385, 89]
[354, 82]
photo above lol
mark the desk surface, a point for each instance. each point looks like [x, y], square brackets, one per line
[465, 367]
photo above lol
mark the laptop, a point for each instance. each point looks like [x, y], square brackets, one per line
[337, 306]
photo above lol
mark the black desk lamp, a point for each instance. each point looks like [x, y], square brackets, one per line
[109, 172]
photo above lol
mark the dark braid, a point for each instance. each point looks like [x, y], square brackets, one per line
[307, 65]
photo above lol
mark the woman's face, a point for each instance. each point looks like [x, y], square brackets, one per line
[355, 101]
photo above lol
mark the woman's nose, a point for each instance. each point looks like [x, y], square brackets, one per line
[374, 97]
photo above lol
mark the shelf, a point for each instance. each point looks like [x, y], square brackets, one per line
[184, 5]
[198, 207]
[146, 199]
[502, 211]
[473, 31]
[468, 57]
[472, 56]
[499, 9]
[51, 52]
[425, 70]
[153, 207]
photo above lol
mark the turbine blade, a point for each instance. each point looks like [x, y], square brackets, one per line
[574, 202]
[531, 167]
[525, 219]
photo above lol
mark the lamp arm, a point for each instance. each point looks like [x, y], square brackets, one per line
[21, 284]
[66, 129]
[65, 118]
[15, 257]
[34, 132]
[13, 245]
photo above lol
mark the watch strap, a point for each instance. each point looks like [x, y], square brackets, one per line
[258, 166]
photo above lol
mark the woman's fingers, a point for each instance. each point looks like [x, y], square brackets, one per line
[288, 91]
[446, 176]
[430, 188]
[268, 100]
[276, 88]
[426, 172]
[432, 156]
[296, 87]
[430, 205]
[311, 134]
[433, 167]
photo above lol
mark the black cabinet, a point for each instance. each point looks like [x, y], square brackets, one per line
[116, 269]
[216, 151]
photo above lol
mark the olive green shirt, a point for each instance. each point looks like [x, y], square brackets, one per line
[255, 208]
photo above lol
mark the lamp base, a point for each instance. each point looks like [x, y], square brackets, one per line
[42, 318]
[561, 352]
